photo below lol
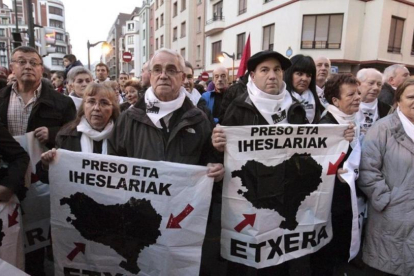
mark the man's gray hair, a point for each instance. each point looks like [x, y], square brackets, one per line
[77, 71]
[174, 53]
[390, 72]
[363, 73]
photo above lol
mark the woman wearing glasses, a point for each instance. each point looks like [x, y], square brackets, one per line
[91, 128]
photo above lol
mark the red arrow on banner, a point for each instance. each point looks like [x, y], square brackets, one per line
[13, 217]
[33, 178]
[174, 222]
[80, 247]
[248, 219]
[334, 167]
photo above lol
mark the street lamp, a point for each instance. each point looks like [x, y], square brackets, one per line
[105, 48]
[221, 59]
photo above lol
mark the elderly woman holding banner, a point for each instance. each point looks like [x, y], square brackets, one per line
[341, 92]
[387, 179]
[91, 128]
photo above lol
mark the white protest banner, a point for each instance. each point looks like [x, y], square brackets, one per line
[8, 269]
[11, 234]
[358, 203]
[278, 190]
[36, 204]
[124, 216]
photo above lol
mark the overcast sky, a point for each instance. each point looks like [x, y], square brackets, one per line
[91, 19]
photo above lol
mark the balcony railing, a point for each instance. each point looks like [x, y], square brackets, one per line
[215, 18]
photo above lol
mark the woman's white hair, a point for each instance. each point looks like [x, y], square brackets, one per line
[174, 53]
[77, 71]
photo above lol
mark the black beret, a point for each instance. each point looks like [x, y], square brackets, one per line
[259, 57]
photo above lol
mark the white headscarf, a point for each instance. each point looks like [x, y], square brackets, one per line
[407, 124]
[308, 102]
[76, 100]
[194, 96]
[343, 118]
[274, 108]
[89, 135]
[156, 109]
[367, 114]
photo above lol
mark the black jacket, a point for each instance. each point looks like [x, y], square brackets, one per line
[233, 92]
[12, 177]
[51, 110]
[242, 112]
[383, 109]
[387, 94]
[189, 140]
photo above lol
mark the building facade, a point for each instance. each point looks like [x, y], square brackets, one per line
[46, 13]
[353, 33]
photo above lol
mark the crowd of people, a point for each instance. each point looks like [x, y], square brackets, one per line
[166, 115]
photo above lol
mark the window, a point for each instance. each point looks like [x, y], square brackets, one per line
[156, 24]
[2, 33]
[3, 60]
[60, 49]
[130, 40]
[2, 46]
[143, 17]
[215, 51]
[412, 47]
[130, 26]
[56, 23]
[4, 21]
[396, 33]
[198, 52]
[175, 35]
[143, 51]
[183, 5]
[182, 52]
[268, 37]
[162, 20]
[322, 31]
[240, 44]
[242, 6]
[218, 11]
[57, 61]
[199, 24]
[162, 2]
[156, 44]
[198, 2]
[183, 29]
[175, 9]
[162, 41]
[143, 34]
[156, 4]
[55, 10]
[59, 36]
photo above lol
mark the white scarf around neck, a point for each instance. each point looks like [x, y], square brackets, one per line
[321, 96]
[343, 118]
[308, 102]
[367, 114]
[157, 109]
[194, 96]
[274, 108]
[76, 100]
[89, 135]
[406, 123]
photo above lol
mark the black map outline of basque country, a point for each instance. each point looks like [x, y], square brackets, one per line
[126, 228]
[281, 188]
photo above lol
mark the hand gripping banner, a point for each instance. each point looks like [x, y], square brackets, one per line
[277, 191]
[123, 216]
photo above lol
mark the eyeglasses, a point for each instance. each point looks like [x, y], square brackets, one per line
[23, 62]
[92, 103]
[169, 71]
[189, 77]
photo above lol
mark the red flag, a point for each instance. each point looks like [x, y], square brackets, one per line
[245, 57]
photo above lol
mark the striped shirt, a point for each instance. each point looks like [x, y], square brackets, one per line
[18, 113]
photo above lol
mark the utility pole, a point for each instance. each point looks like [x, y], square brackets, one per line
[30, 23]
